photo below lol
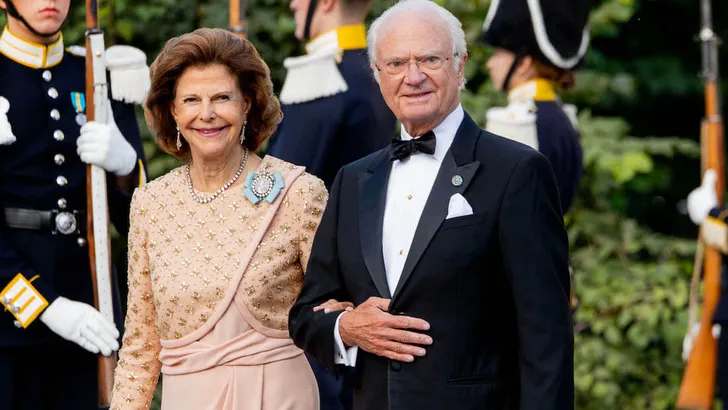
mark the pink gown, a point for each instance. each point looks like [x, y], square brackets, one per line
[210, 286]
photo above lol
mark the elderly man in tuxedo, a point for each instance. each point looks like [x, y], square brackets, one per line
[449, 243]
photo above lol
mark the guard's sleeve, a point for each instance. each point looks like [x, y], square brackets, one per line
[24, 294]
[713, 230]
[137, 372]
[305, 134]
[119, 200]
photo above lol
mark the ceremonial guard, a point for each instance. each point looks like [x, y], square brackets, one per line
[333, 111]
[50, 333]
[537, 44]
[333, 114]
[712, 218]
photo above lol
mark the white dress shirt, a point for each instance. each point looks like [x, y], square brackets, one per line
[410, 183]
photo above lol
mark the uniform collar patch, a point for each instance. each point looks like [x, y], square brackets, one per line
[351, 37]
[30, 54]
[534, 90]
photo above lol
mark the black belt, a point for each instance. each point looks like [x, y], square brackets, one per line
[55, 221]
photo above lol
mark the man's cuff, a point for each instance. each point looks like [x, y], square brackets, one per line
[342, 355]
[26, 298]
[713, 231]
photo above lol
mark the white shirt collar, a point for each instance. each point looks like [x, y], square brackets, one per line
[30, 54]
[444, 133]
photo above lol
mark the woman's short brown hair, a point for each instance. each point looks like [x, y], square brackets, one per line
[203, 47]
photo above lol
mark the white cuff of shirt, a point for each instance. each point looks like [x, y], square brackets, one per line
[342, 355]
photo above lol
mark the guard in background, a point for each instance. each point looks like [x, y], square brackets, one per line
[712, 218]
[333, 111]
[50, 332]
[333, 114]
[537, 44]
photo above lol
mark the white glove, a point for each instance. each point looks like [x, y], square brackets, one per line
[702, 199]
[104, 146]
[82, 324]
[687, 346]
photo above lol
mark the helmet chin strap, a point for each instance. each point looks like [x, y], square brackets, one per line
[514, 65]
[12, 11]
[309, 18]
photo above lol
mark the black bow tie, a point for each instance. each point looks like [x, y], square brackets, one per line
[399, 149]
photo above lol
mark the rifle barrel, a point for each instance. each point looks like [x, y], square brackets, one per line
[237, 22]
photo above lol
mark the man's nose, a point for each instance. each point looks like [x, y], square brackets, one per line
[414, 75]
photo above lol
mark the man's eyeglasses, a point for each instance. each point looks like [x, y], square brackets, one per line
[427, 63]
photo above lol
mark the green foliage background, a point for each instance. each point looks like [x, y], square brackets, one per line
[640, 103]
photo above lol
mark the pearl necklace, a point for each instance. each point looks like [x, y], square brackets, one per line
[219, 191]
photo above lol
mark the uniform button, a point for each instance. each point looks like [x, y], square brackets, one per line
[62, 203]
[81, 242]
[53, 93]
[59, 159]
[58, 135]
[401, 251]
[395, 366]
[55, 114]
[61, 181]
[47, 75]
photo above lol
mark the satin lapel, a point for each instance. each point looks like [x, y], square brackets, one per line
[372, 199]
[458, 161]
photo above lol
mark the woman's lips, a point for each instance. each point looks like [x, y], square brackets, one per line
[209, 132]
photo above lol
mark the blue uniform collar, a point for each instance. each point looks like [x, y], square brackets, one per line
[30, 54]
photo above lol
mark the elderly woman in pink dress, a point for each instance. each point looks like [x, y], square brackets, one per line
[217, 247]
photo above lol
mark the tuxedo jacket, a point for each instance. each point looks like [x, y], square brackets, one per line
[493, 285]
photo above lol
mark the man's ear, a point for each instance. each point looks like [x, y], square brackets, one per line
[525, 67]
[326, 6]
[463, 60]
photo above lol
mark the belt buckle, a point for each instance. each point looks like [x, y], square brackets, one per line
[65, 222]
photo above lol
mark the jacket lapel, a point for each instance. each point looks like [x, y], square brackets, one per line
[373, 194]
[458, 161]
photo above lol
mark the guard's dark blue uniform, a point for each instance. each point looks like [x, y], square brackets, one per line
[719, 218]
[330, 119]
[535, 117]
[323, 134]
[41, 171]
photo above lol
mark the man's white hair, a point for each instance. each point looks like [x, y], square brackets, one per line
[405, 7]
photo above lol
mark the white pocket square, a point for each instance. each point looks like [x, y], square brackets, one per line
[458, 206]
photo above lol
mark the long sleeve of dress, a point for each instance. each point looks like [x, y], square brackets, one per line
[138, 369]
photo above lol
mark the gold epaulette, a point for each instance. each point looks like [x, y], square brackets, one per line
[23, 300]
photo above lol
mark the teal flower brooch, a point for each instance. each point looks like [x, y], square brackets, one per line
[263, 185]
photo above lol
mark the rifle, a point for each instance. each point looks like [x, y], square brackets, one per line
[96, 201]
[698, 384]
[238, 26]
